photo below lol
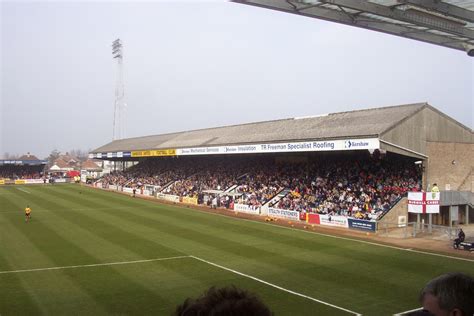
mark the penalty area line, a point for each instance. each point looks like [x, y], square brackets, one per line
[406, 312]
[93, 265]
[275, 286]
[23, 190]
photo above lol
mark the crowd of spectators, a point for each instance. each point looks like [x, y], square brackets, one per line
[358, 186]
[15, 172]
[150, 172]
[263, 182]
[210, 178]
[115, 178]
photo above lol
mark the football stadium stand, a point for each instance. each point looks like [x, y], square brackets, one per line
[357, 164]
[25, 167]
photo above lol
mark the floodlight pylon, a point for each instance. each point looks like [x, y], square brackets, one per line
[119, 107]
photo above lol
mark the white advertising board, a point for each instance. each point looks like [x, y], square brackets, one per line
[34, 181]
[168, 197]
[246, 209]
[328, 220]
[276, 212]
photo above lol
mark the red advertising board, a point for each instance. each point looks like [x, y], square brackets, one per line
[313, 218]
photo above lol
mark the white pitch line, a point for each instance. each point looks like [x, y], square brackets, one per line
[94, 265]
[411, 310]
[438, 255]
[23, 190]
[275, 286]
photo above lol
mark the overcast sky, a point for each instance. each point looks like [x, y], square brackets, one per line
[199, 64]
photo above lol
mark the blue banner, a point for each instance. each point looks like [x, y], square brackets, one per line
[362, 225]
[23, 162]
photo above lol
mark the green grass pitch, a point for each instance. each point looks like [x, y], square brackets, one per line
[80, 231]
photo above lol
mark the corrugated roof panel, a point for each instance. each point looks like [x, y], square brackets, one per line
[370, 122]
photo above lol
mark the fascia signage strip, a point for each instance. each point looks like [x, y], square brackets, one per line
[119, 154]
[333, 145]
[154, 153]
[347, 144]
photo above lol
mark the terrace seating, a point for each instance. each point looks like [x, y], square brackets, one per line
[15, 172]
[361, 188]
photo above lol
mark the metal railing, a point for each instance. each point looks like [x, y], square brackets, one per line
[414, 230]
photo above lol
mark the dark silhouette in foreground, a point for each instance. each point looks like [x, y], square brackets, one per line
[228, 301]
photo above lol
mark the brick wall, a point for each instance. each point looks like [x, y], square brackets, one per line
[452, 165]
[390, 219]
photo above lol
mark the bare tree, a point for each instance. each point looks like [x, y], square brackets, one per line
[8, 156]
[53, 156]
[79, 154]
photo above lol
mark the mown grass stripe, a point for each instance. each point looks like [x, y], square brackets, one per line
[350, 292]
[231, 246]
[344, 272]
[100, 293]
[10, 301]
[95, 223]
[385, 260]
[112, 232]
[19, 233]
[188, 210]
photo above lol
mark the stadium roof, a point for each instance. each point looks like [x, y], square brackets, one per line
[352, 124]
[449, 23]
